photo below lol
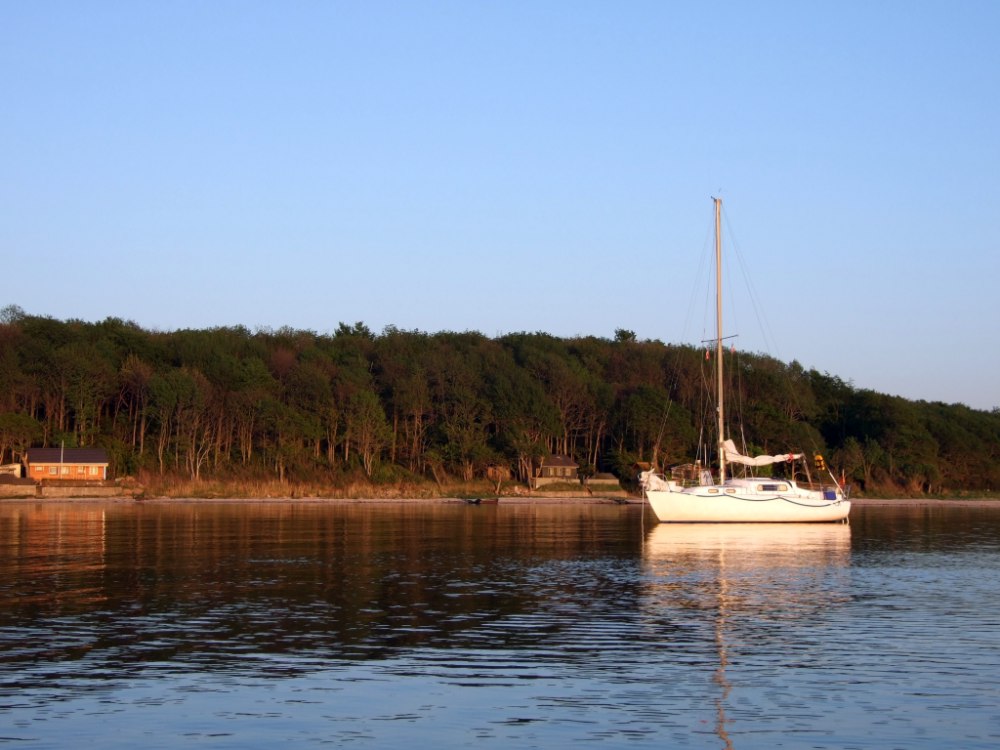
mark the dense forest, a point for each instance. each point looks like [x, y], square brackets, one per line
[407, 407]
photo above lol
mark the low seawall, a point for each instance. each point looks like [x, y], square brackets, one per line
[92, 490]
[62, 490]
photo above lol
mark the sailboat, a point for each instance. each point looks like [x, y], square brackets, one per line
[732, 499]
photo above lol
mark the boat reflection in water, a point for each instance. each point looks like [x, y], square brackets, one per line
[749, 547]
[743, 598]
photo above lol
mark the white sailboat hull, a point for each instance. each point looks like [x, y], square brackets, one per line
[728, 505]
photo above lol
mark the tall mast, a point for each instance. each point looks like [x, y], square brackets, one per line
[718, 336]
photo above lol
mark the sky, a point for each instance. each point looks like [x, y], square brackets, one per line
[518, 166]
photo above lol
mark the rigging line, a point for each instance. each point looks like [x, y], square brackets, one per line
[705, 260]
[754, 297]
[705, 263]
[681, 350]
[663, 428]
[707, 402]
[765, 328]
[736, 369]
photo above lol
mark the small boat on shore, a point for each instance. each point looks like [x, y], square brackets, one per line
[482, 500]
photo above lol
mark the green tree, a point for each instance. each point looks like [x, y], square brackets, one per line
[402, 377]
[163, 399]
[287, 431]
[625, 336]
[134, 377]
[17, 433]
[525, 418]
[367, 428]
[651, 427]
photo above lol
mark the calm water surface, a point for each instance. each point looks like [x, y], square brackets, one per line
[253, 625]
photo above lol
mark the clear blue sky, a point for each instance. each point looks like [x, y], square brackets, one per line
[508, 166]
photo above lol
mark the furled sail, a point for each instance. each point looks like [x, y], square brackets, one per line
[650, 481]
[733, 456]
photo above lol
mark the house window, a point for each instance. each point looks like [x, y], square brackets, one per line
[95, 470]
[65, 471]
[53, 470]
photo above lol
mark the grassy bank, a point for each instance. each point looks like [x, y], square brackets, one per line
[152, 485]
[167, 486]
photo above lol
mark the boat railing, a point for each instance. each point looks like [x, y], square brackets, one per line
[687, 483]
[690, 475]
[829, 490]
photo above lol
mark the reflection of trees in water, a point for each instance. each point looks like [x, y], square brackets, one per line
[219, 583]
[924, 528]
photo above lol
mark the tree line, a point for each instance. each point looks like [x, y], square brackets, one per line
[298, 406]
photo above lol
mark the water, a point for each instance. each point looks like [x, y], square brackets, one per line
[252, 625]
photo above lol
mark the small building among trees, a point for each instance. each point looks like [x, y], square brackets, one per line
[66, 464]
[556, 470]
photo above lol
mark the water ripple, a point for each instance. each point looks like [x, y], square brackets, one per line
[371, 628]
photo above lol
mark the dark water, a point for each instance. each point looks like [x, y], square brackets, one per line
[260, 625]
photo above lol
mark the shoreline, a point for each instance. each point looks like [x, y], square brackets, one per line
[515, 500]
[927, 501]
[485, 501]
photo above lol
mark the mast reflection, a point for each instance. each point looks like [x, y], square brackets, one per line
[739, 580]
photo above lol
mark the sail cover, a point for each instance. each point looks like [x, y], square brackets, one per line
[734, 456]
